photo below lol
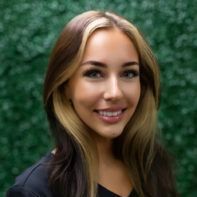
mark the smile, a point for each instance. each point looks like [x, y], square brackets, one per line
[110, 116]
[110, 113]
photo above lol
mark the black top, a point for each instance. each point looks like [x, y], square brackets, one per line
[33, 182]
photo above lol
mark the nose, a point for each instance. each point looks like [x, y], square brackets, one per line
[113, 90]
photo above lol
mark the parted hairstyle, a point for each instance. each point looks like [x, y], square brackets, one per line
[73, 169]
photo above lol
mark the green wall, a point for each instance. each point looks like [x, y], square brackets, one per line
[28, 30]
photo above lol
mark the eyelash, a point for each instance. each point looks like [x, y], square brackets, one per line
[134, 73]
[95, 73]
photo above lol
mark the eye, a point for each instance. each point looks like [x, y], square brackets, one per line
[93, 73]
[129, 74]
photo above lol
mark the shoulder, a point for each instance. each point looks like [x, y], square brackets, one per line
[33, 182]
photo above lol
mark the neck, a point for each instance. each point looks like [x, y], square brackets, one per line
[112, 173]
[105, 151]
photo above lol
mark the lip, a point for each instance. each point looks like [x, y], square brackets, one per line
[110, 115]
[112, 109]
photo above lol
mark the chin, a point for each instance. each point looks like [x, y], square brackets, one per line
[111, 135]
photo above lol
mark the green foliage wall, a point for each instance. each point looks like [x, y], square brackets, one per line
[28, 30]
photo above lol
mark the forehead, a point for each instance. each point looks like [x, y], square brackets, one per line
[106, 43]
[105, 35]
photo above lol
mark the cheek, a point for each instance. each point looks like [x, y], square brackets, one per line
[133, 92]
[85, 95]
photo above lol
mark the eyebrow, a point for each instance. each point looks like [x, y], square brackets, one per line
[101, 64]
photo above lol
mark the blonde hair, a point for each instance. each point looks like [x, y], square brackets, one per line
[136, 144]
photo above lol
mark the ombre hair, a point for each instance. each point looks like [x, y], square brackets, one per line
[73, 169]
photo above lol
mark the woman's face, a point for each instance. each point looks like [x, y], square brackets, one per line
[105, 89]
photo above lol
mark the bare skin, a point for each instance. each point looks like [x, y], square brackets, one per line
[113, 174]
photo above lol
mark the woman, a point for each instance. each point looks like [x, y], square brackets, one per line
[101, 95]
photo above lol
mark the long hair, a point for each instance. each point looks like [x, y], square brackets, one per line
[73, 169]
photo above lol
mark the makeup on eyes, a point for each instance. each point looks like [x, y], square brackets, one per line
[95, 72]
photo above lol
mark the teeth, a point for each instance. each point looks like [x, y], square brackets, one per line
[109, 114]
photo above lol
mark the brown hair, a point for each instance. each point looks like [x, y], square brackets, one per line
[73, 168]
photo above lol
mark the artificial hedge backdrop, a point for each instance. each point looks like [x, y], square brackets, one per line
[28, 30]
